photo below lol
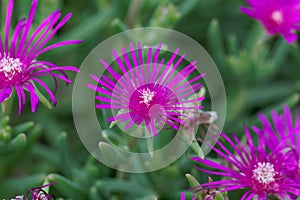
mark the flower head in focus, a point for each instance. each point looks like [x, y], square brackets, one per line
[148, 91]
[251, 167]
[19, 67]
[283, 129]
[277, 16]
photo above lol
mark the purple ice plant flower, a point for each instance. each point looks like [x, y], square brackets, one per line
[19, 68]
[39, 193]
[282, 129]
[250, 167]
[148, 91]
[277, 16]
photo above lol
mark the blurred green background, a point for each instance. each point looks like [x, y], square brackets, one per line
[259, 73]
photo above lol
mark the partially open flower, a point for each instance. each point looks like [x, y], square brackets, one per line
[39, 193]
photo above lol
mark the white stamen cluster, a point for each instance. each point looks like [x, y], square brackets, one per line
[147, 96]
[277, 17]
[10, 66]
[264, 172]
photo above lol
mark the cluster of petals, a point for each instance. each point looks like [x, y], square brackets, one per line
[149, 91]
[20, 69]
[280, 17]
[266, 168]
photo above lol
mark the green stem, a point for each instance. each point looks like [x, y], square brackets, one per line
[188, 135]
[132, 144]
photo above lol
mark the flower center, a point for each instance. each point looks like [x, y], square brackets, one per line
[10, 66]
[277, 17]
[264, 172]
[147, 96]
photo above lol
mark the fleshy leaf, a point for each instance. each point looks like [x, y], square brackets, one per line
[42, 98]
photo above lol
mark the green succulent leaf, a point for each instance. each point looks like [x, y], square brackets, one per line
[67, 188]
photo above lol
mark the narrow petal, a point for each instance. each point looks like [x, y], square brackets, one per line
[5, 93]
[34, 99]
[64, 43]
[8, 23]
[21, 97]
[17, 33]
[53, 17]
[51, 95]
[38, 44]
[28, 24]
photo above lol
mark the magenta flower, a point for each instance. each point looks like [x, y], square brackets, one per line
[277, 16]
[148, 91]
[19, 67]
[39, 194]
[252, 168]
[283, 129]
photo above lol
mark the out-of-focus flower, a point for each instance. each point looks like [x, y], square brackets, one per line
[252, 168]
[196, 117]
[277, 16]
[148, 91]
[19, 67]
[39, 194]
